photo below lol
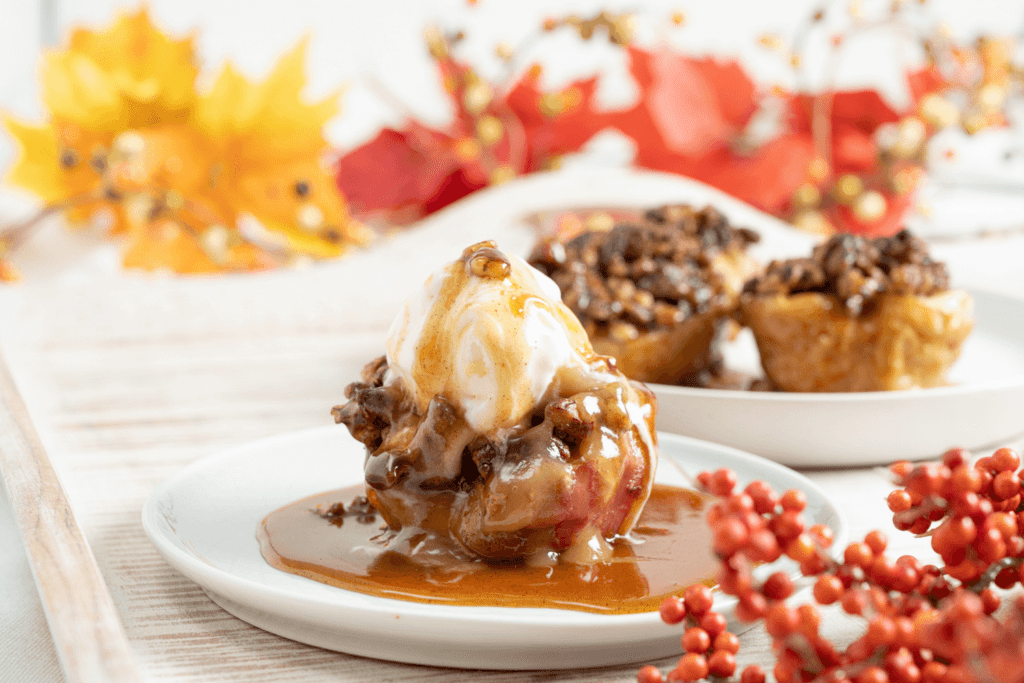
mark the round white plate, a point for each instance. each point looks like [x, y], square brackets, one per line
[983, 406]
[203, 521]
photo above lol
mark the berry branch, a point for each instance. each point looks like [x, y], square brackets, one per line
[923, 623]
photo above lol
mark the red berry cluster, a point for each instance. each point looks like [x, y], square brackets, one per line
[710, 649]
[976, 508]
[924, 624]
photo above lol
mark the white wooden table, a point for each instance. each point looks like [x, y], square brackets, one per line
[130, 378]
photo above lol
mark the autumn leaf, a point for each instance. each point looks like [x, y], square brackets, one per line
[765, 179]
[179, 170]
[852, 117]
[687, 107]
[554, 122]
[133, 71]
[103, 82]
[925, 81]
[269, 144]
[167, 244]
[690, 113]
[402, 175]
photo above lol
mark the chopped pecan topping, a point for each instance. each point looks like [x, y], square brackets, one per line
[857, 271]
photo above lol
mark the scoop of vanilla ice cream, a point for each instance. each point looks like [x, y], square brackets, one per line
[490, 334]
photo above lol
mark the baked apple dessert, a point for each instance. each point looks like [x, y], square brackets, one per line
[656, 293]
[858, 315]
[492, 428]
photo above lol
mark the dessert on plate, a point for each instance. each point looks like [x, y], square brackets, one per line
[492, 428]
[858, 315]
[655, 293]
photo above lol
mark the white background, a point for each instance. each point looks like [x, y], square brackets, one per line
[352, 39]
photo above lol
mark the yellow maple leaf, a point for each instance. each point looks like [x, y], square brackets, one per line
[130, 75]
[271, 142]
[168, 244]
[103, 82]
[128, 131]
[58, 164]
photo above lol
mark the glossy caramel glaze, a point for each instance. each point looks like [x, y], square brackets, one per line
[669, 549]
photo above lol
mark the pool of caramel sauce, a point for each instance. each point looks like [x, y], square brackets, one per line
[669, 549]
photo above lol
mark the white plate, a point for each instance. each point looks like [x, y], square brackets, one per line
[984, 405]
[203, 521]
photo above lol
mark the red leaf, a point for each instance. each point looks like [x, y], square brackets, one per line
[925, 81]
[692, 112]
[405, 172]
[852, 150]
[864, 110]
[733, 89]
[551, 134]
[767, 179]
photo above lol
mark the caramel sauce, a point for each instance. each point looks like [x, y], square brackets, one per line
[668, 549]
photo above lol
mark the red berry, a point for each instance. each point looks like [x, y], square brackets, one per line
[901, 468]
[1007, 578]
[828, 589]
[731, 581]
[649, 674]
[722, 482]
[780, 621]
[722, 664]
[906, 632]
[899, 501]
[933, 672]
[728, 536]
[873, 674]
[691, 667]
[966, 480]
[714, 623]
[1005, 459]
[919, 526]
[823, 534]
[809, 619]
[881, 631]
[763, 496]
[788, 525]
[672, 610]
[801, 548]
[1006, 485]
[963, 530]
[696, 639]
[990, 600]
[784, 673]
[764, 547]
[877, 541]
[753, 674]
[1004, 522]
[698, 599]
[727, 642]
[859, 555]
[854, 601]
[955, 457]
[777, 586]
[989, 546]
[751, 606]
[739, 503]
[794, 499]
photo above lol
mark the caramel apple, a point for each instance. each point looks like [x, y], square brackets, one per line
[493, 429]
[654, 294]
[858, 315]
